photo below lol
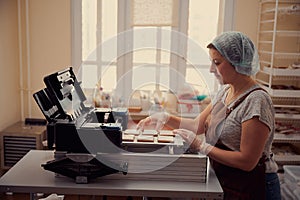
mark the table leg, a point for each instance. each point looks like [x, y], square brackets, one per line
[32, 195]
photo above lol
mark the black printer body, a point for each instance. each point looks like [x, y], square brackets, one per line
[76, 131]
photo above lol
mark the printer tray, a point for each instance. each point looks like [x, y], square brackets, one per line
[82, 172]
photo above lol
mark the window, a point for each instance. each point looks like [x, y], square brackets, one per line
[128, 45]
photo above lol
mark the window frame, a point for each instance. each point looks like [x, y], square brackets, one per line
[125, 64]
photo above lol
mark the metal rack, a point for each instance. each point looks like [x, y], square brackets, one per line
[279, 51]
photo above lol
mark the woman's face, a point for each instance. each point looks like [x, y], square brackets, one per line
[221, 68]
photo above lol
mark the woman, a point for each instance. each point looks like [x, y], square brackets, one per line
[238, 125]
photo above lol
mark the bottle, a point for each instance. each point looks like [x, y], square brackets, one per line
[98, 97]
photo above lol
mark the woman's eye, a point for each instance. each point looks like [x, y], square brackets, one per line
[217, 63]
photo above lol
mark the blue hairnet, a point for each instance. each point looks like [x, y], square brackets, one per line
[239, 50]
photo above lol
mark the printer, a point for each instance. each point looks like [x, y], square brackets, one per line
[78, 134]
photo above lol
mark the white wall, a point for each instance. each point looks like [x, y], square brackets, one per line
[49, 45]
[49, 40]
[9, 64]
[246, 17]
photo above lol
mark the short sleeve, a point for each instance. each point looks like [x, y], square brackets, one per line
[259, 104]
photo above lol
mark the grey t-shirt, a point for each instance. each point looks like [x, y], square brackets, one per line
[257, 104]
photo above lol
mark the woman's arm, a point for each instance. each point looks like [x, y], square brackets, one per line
[253, 139]
[174, 122]
[196, 125]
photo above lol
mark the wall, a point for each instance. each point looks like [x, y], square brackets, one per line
[49, 45]
[45, 48]
[246, 17]
[9, 64]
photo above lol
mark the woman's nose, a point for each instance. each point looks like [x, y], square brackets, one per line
[212, 68]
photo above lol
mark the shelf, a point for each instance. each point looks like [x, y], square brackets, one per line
[281, 55]
[280, 1]
[283, 9]
[279, 33]
[287, 116]
[287, 159]
[286, 138]
[266, 32]
[265, 42]
[288, 33]
[266, 22]
[287, 106]
[281, 72]
[282, 93]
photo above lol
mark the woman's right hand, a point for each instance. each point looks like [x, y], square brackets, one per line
[159, 119]
[197, 142]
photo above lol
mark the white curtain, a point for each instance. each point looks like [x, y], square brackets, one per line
[154, 12]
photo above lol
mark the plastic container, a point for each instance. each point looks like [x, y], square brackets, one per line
[286, 193]
[291, 185]
[292, 173]
[297, 192]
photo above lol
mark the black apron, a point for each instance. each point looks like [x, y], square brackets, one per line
[237, 183]
[240, 184]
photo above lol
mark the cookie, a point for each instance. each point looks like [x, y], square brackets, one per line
[127, 137]
[145, 138]
[165, 139]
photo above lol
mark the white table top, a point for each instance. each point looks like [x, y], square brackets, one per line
[27, 176]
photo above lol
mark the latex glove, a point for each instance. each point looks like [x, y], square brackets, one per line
[159, 119]
[196, 142]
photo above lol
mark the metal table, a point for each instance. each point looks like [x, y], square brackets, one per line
[27, 176]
